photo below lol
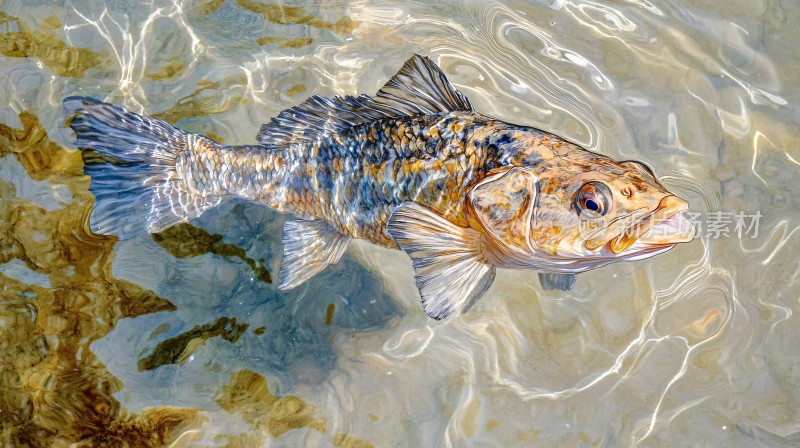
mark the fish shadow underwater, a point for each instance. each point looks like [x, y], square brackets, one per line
[201, 268]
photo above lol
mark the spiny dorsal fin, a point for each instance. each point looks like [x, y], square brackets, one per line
[450, 269]
[319, 117]
[418, 88]
[308, 248]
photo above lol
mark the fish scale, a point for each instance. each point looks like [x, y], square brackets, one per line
[338, 178]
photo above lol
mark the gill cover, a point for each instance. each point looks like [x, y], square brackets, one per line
[503, 206]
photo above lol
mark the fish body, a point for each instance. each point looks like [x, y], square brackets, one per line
[414, 168]
[355, 179]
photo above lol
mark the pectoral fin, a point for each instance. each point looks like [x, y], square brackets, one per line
[308, 248]
[450, 269]
[563, 282]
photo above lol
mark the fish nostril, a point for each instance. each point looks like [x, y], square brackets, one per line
[627, 192]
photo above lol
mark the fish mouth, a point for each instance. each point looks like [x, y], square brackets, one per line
[666, 225]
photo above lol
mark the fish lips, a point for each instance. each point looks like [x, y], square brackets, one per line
[666, 225]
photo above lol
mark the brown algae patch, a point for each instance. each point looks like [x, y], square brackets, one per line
[210, 6]
[345, 441]
[214, 136]
[297, 15]
[247, 395]
[297, 42]
[168, 71]
[329, 313]
[53, 390]
[296, 89]
[150, 427]
[64, 60]
[178, 349]
[283, 14]
[185, 241]
[52, 22]
[41, 158]
[208, 99]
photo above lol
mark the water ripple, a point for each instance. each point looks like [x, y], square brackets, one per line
[698, 344]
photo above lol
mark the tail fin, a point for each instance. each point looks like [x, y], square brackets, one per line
[132, 162]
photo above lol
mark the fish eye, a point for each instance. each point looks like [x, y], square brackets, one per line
[593, 199]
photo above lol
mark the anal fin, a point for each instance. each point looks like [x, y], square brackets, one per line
[308, 248]
[550, 280]
[450, 269]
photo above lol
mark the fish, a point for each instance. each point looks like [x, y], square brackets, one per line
[413, 168]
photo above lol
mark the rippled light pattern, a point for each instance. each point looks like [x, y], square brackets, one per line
[180, 338]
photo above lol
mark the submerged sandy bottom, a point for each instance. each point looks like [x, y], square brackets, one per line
[181, 337]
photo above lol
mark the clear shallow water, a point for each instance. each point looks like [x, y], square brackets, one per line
[180, 338]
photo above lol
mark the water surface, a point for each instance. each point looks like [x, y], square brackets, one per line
[181, 337]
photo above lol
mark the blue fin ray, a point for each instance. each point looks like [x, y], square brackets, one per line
[134, 180]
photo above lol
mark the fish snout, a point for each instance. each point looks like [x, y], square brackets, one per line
[665, 225]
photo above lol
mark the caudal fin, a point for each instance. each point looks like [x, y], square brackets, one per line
[132, 162]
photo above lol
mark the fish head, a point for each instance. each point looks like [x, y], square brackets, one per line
[592, 210]
[583, 211]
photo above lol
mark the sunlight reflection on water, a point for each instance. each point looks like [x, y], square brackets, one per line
[695, 347]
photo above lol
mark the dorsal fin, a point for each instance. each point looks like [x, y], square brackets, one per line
[419, 87]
